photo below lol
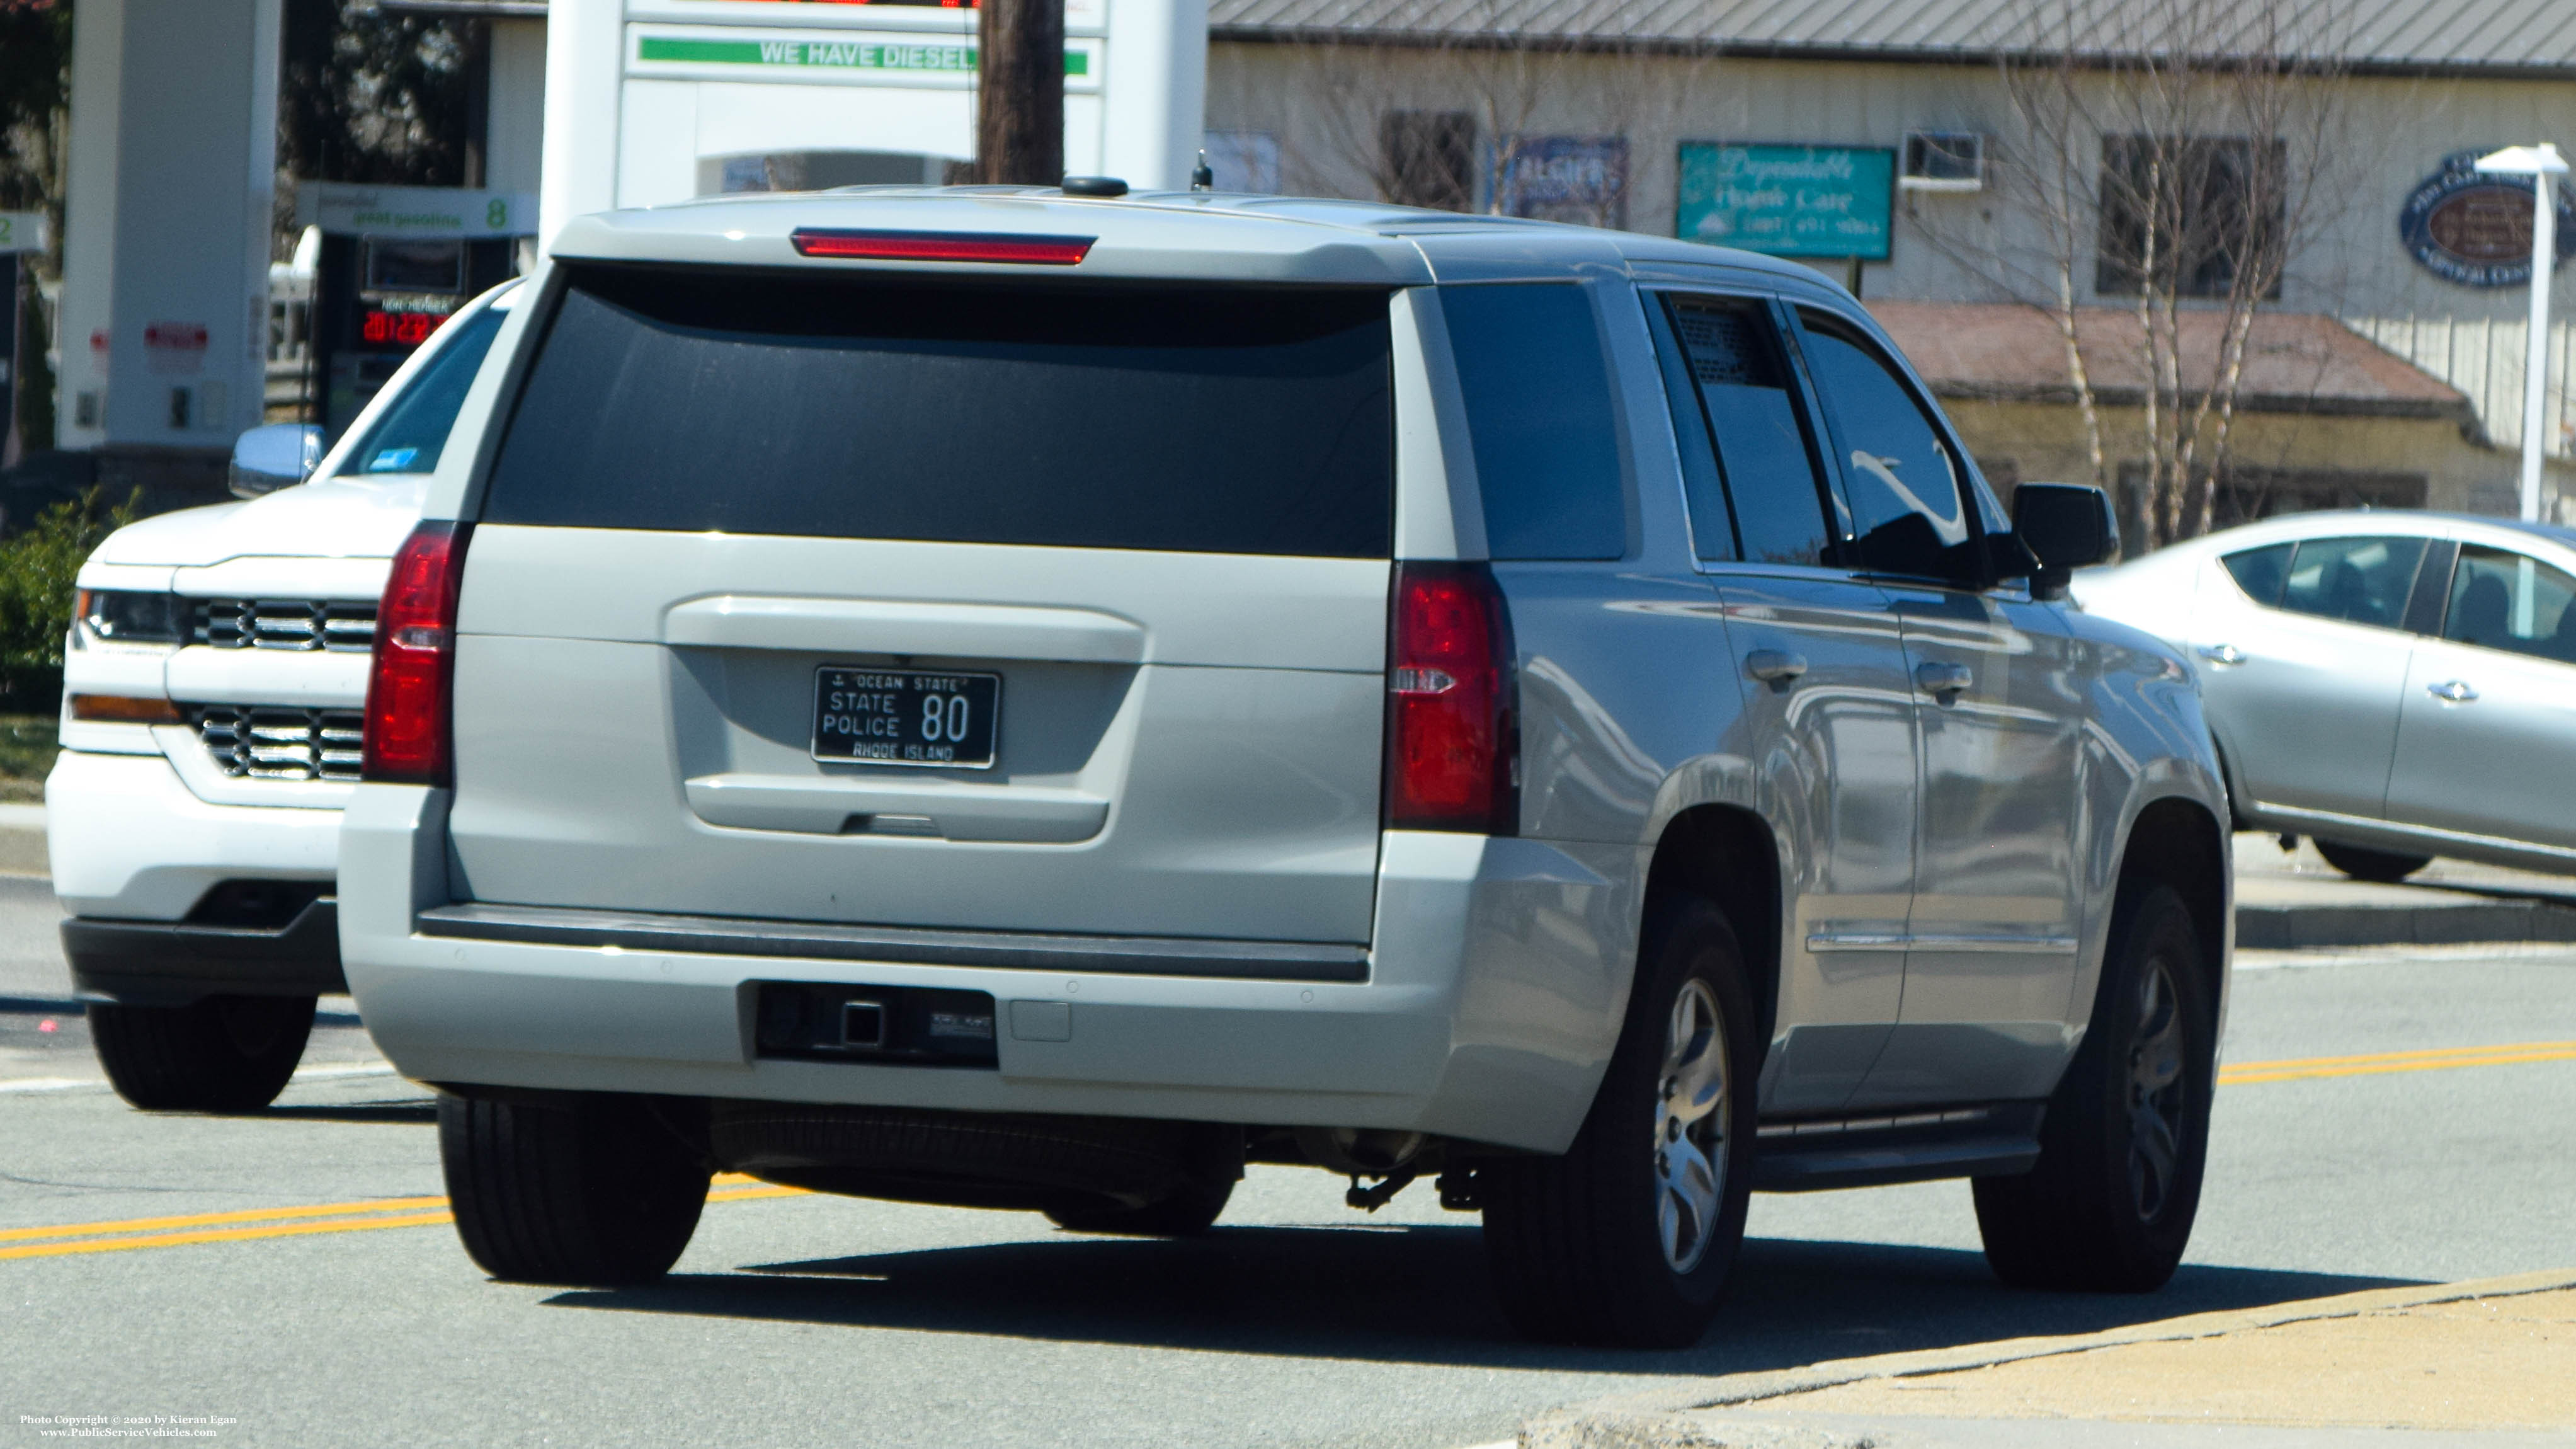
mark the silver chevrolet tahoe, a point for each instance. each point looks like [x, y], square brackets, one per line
[1030, 700]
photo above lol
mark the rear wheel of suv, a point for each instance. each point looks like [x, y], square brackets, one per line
[2109, 1207]
[1186, 1213]
[2385, 866]
[222, 1054]
[581, 1189]
[1629, 1238]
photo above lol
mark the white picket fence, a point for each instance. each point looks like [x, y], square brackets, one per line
[2483, 357]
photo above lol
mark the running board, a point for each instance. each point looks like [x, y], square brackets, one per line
[1997, 1140]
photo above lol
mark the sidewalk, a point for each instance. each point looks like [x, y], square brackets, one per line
[2490, 1363]
[2295, 901]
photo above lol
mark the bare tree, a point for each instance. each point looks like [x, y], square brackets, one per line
[1480, 106]
[2172, 156]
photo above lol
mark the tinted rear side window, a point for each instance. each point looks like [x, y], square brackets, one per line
[1196, 420]
[2259, 571]
[2360, 580]
[1744, 390]
[1539, 417]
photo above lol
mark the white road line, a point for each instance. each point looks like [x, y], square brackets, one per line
[28, 1086]
[50, 1084]
[360, 1069]
[2254, 959]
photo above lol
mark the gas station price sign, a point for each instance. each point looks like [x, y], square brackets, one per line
[399, 329]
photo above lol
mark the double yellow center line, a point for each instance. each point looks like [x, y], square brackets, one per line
[287, 1222]
[413, 1212]
[2436, 1059]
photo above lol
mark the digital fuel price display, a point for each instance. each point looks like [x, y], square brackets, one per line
[397, 329]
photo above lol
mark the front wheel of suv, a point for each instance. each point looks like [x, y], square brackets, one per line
[581, 1189]
[221, 1054]
[1629, 1238]
[2109, 1207]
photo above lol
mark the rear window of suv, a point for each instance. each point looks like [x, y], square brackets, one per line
[1192, 419]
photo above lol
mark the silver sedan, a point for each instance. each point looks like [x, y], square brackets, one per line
[2397, 685]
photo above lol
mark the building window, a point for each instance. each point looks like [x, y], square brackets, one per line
[1428, 158]
[2190, 215]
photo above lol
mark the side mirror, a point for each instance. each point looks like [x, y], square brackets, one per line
[279, 455]
[2066, 526]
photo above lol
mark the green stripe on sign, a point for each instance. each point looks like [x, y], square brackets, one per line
[861, 55]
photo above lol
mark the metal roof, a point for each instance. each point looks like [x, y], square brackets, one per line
[2420, 37]
[2294, 362]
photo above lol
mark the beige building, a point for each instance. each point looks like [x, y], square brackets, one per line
[2385, 367]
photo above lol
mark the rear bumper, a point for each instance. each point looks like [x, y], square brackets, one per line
[128, 841]
[1491, 998]
[161, 963]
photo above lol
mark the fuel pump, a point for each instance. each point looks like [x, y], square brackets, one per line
[378, 298]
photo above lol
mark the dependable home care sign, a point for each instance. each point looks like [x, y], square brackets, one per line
[1788, 201]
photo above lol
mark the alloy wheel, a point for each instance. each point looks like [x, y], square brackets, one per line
[1690, 1127]
[2155, 1092]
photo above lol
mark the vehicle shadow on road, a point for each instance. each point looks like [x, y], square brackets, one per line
[1418, 1294]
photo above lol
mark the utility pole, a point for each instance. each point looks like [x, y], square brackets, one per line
[1019, 79]
[2544, 166]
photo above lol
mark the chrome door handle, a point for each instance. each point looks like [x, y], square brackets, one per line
[1943, 679]
[2222, 653]
[1774, 666]
[2457, 691]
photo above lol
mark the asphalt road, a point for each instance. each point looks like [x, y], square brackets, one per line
[797, 1319]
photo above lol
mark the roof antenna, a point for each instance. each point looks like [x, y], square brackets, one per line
[1201, 178]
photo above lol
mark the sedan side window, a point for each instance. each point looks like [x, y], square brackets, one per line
[2358, 580]
[2502, 600]
[2261, 571]
[1901, 485]
[1730, 385]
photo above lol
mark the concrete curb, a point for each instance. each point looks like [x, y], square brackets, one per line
[1653, 1419]
[21, 849]
[2309, 927]
[22, 840]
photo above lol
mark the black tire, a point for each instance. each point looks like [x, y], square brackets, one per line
[1578, 1244]
[580, 1189]
[1184, 1214]
[2387, 867]
[2109, 1207]
[223, 1054]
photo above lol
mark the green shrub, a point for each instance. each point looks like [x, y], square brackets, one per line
[37, 567]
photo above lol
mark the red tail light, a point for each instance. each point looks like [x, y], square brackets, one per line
[409, 722]
[1453, 739]
[938, 246]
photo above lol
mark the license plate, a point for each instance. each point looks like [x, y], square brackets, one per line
[905, 717]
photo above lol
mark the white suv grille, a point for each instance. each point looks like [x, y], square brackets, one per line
[281, 742]
[285, 624]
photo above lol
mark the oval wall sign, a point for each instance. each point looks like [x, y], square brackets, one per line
[2475, 229]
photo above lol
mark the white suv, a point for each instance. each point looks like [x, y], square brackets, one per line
[1029, 700]
[211, 694]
